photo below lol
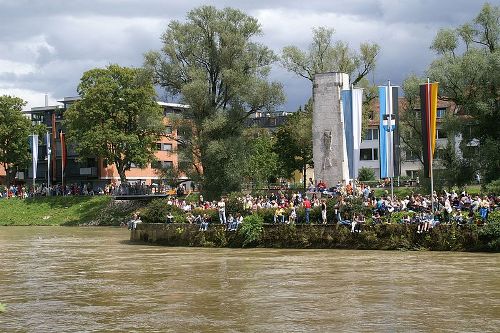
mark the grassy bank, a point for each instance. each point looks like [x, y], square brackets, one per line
[90, 210]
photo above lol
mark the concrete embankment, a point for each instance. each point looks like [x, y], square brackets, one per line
[381, 237]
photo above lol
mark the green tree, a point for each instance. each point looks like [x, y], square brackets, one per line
[15, 129]
[326, 55]
[294, 143]
[409, 118]
[117, 117]
[212, 63]
[469, 78]
[261, 165]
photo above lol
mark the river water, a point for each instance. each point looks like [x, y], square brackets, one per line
[63, 279]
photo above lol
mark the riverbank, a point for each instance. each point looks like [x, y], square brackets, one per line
[375, 237]
[66, 211]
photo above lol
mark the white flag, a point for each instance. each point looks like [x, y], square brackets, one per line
[34, 150]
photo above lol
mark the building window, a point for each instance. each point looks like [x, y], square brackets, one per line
[439, 153]
[167, 164]
[163, 146]
[413, 174]
[441, 134]
[441, 113]
[371, 134]
[410, 155]
[368, 154]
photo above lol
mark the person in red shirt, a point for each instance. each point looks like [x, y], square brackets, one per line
[307, 206]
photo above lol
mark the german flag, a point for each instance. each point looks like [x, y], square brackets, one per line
[428, 108]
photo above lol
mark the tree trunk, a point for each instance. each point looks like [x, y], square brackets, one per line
[120, 167]
[304, 167]
[10, 174]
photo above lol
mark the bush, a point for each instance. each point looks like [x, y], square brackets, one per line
[251, 229]
[490, 233]
[366, 174]
[267, 214]
[156, 212]
[234, 203]
[212, 213]
[493, 187]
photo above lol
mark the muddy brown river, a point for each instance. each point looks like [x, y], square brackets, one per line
[65, 279]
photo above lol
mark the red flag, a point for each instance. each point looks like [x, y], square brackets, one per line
[63, 150]
[53, 144]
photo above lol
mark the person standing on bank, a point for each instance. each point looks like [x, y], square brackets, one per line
[221, 205]
[323, 211]
[307, 207]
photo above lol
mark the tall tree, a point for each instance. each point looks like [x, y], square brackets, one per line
[326, 55]
[294, 142]
[117, 117]
[469, 77]
[15, 129]
[212, 63]
[261, 164]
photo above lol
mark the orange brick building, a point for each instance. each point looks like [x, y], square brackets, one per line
[92, 170]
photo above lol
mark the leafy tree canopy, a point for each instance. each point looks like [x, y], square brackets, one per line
[212, 62]
[294, 142]
[468, 75]
[117, 117]
[15, 129]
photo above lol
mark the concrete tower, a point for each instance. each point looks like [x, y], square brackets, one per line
[329, 147]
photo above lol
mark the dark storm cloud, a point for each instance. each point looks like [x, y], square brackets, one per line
[46, 45]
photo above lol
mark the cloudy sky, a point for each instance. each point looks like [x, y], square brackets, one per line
[46, 45]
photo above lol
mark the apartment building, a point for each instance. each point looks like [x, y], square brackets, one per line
[410, 164]
[94, 170]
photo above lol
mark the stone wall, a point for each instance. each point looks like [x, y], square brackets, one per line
[372, 237]
[329, 148]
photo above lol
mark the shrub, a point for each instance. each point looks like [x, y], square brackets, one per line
[493, 187]
[156, 212]
[234, 203]
[251, 229]
[366, 174]
[212, 213]
[490, 233]
[267, 214]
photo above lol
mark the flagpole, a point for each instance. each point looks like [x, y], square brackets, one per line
[430, 143]
[33, 157]
[49, 153]
[352, 124]
[391, 134]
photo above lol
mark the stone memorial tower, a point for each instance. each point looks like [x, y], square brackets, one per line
[329, 146]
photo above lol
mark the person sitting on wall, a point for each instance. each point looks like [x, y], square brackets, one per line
[130, 223]
[279, 215]
[293, 216]
[170, 218]
[204, 223]
[230, 221]
[321, 185]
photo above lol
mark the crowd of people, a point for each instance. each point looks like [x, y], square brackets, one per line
[459, 208]
[41, 190]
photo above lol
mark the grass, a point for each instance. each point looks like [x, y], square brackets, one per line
[62, 211]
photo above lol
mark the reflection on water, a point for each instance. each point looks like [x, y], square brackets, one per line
[56, 279]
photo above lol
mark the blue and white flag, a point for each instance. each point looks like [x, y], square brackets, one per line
[34, 150]
[49, 154]
[389, 132]
[352, 103]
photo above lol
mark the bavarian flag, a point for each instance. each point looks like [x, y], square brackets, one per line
[428, 109]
